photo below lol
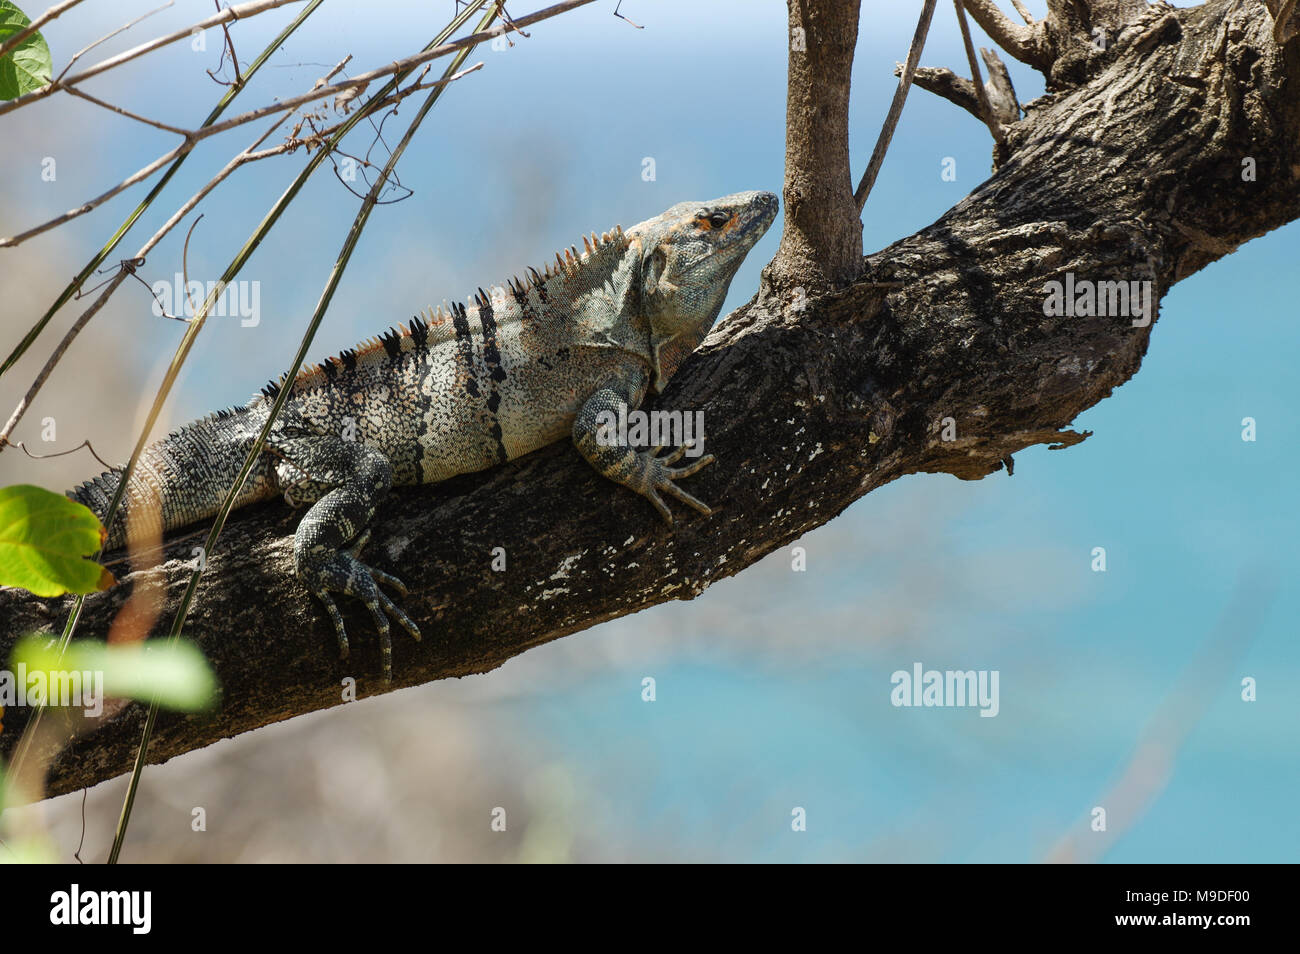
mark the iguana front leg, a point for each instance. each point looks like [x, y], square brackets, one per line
[643, 471]
[344, 481]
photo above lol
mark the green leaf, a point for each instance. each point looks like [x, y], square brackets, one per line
[174, 673]
[28, 66]
[44, 539]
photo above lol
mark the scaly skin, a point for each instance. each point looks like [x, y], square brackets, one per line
[467, 388]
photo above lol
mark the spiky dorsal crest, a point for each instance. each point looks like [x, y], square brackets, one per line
[436, 325]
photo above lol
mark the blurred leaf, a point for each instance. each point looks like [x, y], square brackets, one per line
[28, 66]
[30, 850]
[176, 673]
[44, 539]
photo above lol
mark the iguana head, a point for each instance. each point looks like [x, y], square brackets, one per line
[689, 255]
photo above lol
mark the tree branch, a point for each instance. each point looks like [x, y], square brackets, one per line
[1025, 43]
[822, 242]
[229, 14]
[986, 108]
[905, 74]
[945, 83]
[1135, 176]
[44, 18]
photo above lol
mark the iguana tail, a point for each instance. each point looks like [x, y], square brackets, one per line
[180, 479]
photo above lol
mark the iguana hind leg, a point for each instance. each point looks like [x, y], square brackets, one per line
[344, 481]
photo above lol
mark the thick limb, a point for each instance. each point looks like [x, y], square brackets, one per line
[595, 434]
[344, 481]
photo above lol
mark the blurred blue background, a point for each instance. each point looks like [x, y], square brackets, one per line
[1119, 689]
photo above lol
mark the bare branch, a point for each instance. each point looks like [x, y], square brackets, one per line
[822, 241]
[194, 137]
[458, 21]
[125, 270]
[944, 82]
[242, 11]
[108, 36]
[138, 176]
[1001, 93]
[72, 450]
[320, 92]
[895, 107]
[1025, 43]
[73, 287]
[36, 24]
[986, 109]
[82, 94]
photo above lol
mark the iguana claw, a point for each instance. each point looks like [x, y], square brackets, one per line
[661, 474]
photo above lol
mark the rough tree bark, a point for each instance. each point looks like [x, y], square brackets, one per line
[1131, 168]
[821, 244]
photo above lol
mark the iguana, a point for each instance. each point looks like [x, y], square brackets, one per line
[465, 388]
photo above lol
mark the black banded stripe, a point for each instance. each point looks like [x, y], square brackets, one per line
[496, 374]
[465, 346]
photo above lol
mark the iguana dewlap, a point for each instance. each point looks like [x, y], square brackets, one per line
[471, 387]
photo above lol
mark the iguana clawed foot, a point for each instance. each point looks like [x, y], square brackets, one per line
[345, 572]
[660, 475]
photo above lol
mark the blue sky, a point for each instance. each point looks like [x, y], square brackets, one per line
[773, 687]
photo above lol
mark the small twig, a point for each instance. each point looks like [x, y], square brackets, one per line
[1024, 14]
[505, 18]
[1001, 93]
[131, 267]
[86, 444]
[229, 46]
[129, 263]
[108, 36]
[185, 264]
[138, 176]
[621, 17]
[80, 844]
[322, 92]
[336, 71]
[896, 107]
[986, 111]
[945, 83]
[193, 138]
[36, 24]
[116, 237]
[127, 268]
[127, 113]
[242, 11]
[1025, 43]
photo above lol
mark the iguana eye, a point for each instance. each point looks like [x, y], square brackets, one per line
[718, 219]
